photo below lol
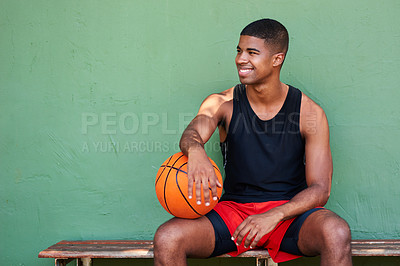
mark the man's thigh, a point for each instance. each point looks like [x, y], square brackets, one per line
[290, 240]
[195, 236]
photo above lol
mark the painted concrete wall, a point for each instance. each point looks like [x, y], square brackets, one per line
[95, 94]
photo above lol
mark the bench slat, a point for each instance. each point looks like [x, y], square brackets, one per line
[99, 249]
[144, 249]
[390, 247]
[115, 249]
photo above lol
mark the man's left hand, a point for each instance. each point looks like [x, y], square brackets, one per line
[256, 226]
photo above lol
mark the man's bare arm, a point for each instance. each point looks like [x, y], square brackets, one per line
[200, 170]
[318, 164]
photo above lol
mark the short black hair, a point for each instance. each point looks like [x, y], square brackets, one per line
[272, 31]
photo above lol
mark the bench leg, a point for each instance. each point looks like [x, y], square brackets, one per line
[84, 262]
[62, 262]
[265, 262]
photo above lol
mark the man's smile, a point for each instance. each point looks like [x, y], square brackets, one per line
[244, 71]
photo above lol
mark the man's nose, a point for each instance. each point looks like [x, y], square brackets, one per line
[241, 58]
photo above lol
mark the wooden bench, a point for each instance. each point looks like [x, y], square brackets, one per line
[84, 251]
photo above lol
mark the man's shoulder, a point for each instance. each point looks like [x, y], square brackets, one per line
[312, 116]
[309, 106]
[217, 104]
[224, 96]
[218, 100]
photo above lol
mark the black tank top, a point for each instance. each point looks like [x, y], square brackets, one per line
[263, 159]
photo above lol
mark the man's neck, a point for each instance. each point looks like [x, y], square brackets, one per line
[267, 94]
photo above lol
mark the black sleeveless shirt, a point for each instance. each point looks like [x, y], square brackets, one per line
[263, 159]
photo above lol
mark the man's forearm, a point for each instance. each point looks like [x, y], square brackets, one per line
[190, 139]
[311, 197]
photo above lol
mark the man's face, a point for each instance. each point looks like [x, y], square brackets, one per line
[254, 60]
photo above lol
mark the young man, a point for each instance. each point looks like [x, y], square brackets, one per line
[278, 164]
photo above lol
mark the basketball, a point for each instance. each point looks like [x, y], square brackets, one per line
[172, 189]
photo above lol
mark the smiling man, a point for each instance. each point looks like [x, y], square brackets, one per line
[278, 165]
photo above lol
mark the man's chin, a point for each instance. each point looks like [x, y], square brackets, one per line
[245, 81]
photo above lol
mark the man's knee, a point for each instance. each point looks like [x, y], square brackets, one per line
[168, 236]
[168, 244]
[324, 231]
[181, 238]
[336, 232]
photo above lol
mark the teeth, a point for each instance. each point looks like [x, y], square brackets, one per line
[244, 70]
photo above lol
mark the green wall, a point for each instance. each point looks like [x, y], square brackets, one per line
[95, 94]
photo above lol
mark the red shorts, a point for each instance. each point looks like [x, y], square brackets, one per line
[234, 213]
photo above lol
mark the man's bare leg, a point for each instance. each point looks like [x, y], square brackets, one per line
[325, 233]
[179, 239]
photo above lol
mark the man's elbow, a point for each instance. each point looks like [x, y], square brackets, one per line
[321, 193]
[325, 194]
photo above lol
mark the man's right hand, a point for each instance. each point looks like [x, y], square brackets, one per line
[201, 173]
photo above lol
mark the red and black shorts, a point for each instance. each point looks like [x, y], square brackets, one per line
[280, 242]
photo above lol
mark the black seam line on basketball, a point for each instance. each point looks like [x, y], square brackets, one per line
[177, 169]
[158, 177]
[165, 183]
[166, 179]
[216, 168]
[177, 183]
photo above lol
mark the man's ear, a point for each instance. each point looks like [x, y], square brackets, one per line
[278, 59]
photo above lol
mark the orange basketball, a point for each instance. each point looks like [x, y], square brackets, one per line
[172, 189]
